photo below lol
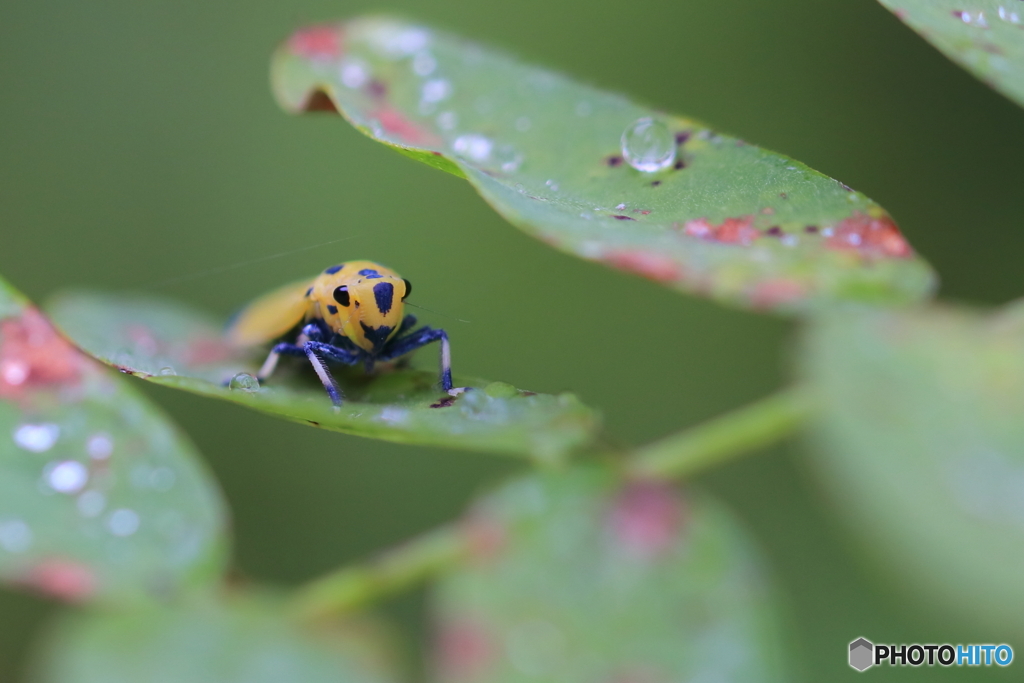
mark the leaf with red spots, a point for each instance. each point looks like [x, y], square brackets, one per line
[242, 638]
[986, 37]
[170, 344]
[919, 437]
[677, 203]
[100, 497]
[587, 578]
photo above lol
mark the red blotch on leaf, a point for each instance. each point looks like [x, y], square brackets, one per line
[207, 351]
[875, 236]
[730, 231]
[646, 518]
[33, 354]
[316, 42]
[63, 579]
[464, 650]
[649, 264]
[395, 122]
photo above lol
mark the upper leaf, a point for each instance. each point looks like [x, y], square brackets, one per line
[242, 638]
[579, 577]
[920, 439]
[601, 177]
[100, 498]
[170, 344]
[986, 37]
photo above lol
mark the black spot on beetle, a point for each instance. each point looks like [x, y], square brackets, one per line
[384, 293]
[342, 296]
[682, 136]
[680, 164]
[334, 269]
[370, 274]
[614, 161]
[774, 231]
[332, 309]
[623, 218]
[376, 335]
[309, 291]
[655, 183]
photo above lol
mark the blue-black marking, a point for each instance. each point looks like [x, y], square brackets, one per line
[333, 310]
[384, 293]
[309, 291]
[377, 335]
[334, 269]
[370, 273]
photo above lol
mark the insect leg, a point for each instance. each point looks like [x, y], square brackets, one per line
[270, 364]
[314, 350]
[422, 337]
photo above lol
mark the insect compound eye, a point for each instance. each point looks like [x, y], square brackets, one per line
[408, 289]
[341, 296]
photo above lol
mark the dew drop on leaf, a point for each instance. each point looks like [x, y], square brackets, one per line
[244, 382]
[648, 145]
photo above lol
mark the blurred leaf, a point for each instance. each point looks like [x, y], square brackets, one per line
[242, 640]
[175, 346]
[579, 578]
[920, 440]
[986, 37]
[723, 219]
[100, 497]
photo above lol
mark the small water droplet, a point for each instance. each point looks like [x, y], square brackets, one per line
[519, 188]
[552, 184]
[15, 536]
[523, 124]
[620, 207]
[99, 446]
[509, 159]
[435, 90]
[473, 146]
[243, 381]
[123, 522]
[167, 371]
[37, 438]
[91, 503]
[447, 120]
[423, 64]
[648, 145]
[69, 476]
[354, 74]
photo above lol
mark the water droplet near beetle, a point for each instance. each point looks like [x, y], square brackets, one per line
[508, 158]
[37, 438]
[243, 381]
[474, 147]
[167, 371]
[69, 476]
[648, 145]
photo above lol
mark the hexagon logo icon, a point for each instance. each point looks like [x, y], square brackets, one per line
[861, 654]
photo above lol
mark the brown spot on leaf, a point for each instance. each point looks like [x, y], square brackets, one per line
[445, 402]
[871, 236]
[33, 354]
[316, 42]
[646, 518]
[730, 231]
[319, 100]
[682, 136]
[620, 217]
[614, 161]
[649, 264]
[464, 650]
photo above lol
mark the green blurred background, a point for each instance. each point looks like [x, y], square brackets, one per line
[139, 143]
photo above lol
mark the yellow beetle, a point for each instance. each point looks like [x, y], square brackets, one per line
[351, 313]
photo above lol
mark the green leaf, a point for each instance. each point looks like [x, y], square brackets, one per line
[986, 37]
[172, 345]
[920, 440]
[734, 222]
[100, 497]
[578, 577]
[241, 639]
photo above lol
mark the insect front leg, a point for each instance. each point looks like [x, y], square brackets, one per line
[421, 337]
[313, 350]
[270, 364]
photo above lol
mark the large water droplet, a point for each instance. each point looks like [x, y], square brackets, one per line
[167, 371]
[36, 438]
[648, 145]
[67, 477]
[243, 381]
